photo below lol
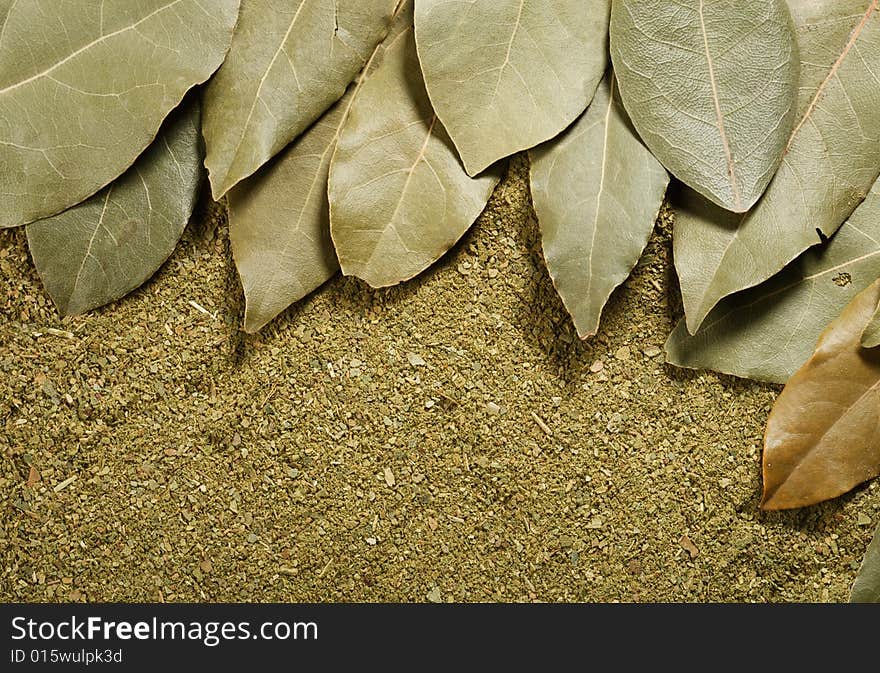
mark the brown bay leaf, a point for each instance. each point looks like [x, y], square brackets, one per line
[85, 86]
[399, 197]
[507, 75]
[289, 62]
[767, 332]
[108, 245]
[597, 192]
[831, 161]
[711, 88]
[823, 435]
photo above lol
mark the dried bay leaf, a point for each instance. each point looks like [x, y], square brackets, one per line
[102, 248]
[833, 158]
[289, 62]
[866, 588]
[85, 86]
[766, 333]
[399, 197]
[279, 223]
[279, 219]
[823, 435]
[597, 192]
[507, 75]
[711, 88]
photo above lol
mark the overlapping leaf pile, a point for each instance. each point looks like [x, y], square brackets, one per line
[368, 135]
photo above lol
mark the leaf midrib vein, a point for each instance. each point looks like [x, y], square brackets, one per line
[403, 190]
[506, 62]
[857, 31]
[601, 187]
[91, 244]
[725, 143]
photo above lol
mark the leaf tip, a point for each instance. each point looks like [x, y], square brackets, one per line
[693, 322]
[586, 333]
[253, 323]
[219, 184]
[771, 501]
[471, 164]
[767, 503]
[870, 338]
[739, 208]
[70, 306]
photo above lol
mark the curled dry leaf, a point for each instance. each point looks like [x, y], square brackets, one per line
[84, 87]
[288, 63]
[823, 435]
[101, 249]
[768, 332]
[399, 197]
[507, 75]
[711, 88]
[831, 161]
[597, 193]
[866, 588]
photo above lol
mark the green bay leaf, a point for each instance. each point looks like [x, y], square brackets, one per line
[108, 245]
[597, 192]
[279, 223]
[832, 159]
[866, 588]
[288, 63]
[768, 332]
[507, 75]
[279, 219]
[711, 87]
[85, 86]
[399, 197]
